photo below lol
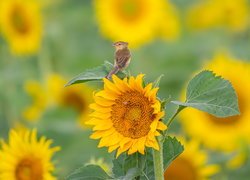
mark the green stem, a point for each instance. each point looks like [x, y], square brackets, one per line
[158, 162]
[180, 108]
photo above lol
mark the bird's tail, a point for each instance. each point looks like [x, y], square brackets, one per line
[113, 71]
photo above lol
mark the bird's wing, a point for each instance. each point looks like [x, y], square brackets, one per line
[121, 60]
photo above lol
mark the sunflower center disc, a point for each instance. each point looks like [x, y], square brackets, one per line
[129, 10]
[132, 114]
[29, 169]
[19, 21]
[180, 165]
[74, 100]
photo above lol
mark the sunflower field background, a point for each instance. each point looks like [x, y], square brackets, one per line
[43, 44]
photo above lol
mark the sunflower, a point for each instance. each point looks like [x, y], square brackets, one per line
[191, 164]
[134, 21]
[169, 25]
[39, 101]
[53, 93]
[225, 13]
[25, 157]
[78, 96]
[224, 134]
[126, 115]
[21, 25]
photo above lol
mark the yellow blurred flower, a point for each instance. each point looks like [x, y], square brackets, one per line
[136, 21]
[39, 101]
[224, 134]
[21, 25]
[230, 14]
[169, 25]
[77, 96]
[53, 93]
[26, 157]
[191, 164]
[126, 115]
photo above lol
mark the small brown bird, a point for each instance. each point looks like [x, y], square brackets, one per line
[122, 57]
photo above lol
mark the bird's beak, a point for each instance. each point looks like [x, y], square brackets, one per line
[113, 44]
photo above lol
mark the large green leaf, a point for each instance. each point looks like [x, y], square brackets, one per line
[211, 94]
[171, 149]
[128, 165]
[131, 174]
[89, 172]
[94, 74]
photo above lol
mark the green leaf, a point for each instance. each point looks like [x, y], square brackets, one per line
[131, 174]
[125, 162]
[149, 166]
[94, 74]
[171, 149]
[89, 172]
[211, 94]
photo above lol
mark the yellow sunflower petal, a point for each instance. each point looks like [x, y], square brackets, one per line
[99, 134]
[161, 126]
[106, 95]
[109, 86]
[103, 126]
[141, 145]
[21, 25]
[121, 85]
[112, 148]
[103, 102]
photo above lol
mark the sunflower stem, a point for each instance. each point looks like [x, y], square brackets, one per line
[158, 161]
[180, 108]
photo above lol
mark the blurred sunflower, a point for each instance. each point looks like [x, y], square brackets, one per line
[191, 164]
[135, 21]
[21, 25]
[224, 134]
[39, 101]
[126, 115]
[26, 157]
[53, 93]
[78, 96]
[215, 13]
[169, 25]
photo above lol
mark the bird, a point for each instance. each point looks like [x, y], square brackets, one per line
[122, 57]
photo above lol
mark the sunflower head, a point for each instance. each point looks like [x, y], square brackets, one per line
[127, 115]
[219, 13]
[20, 23]
[135, 21]
[192, 163]
[39, 101]
[77, 97]
[26, 157]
